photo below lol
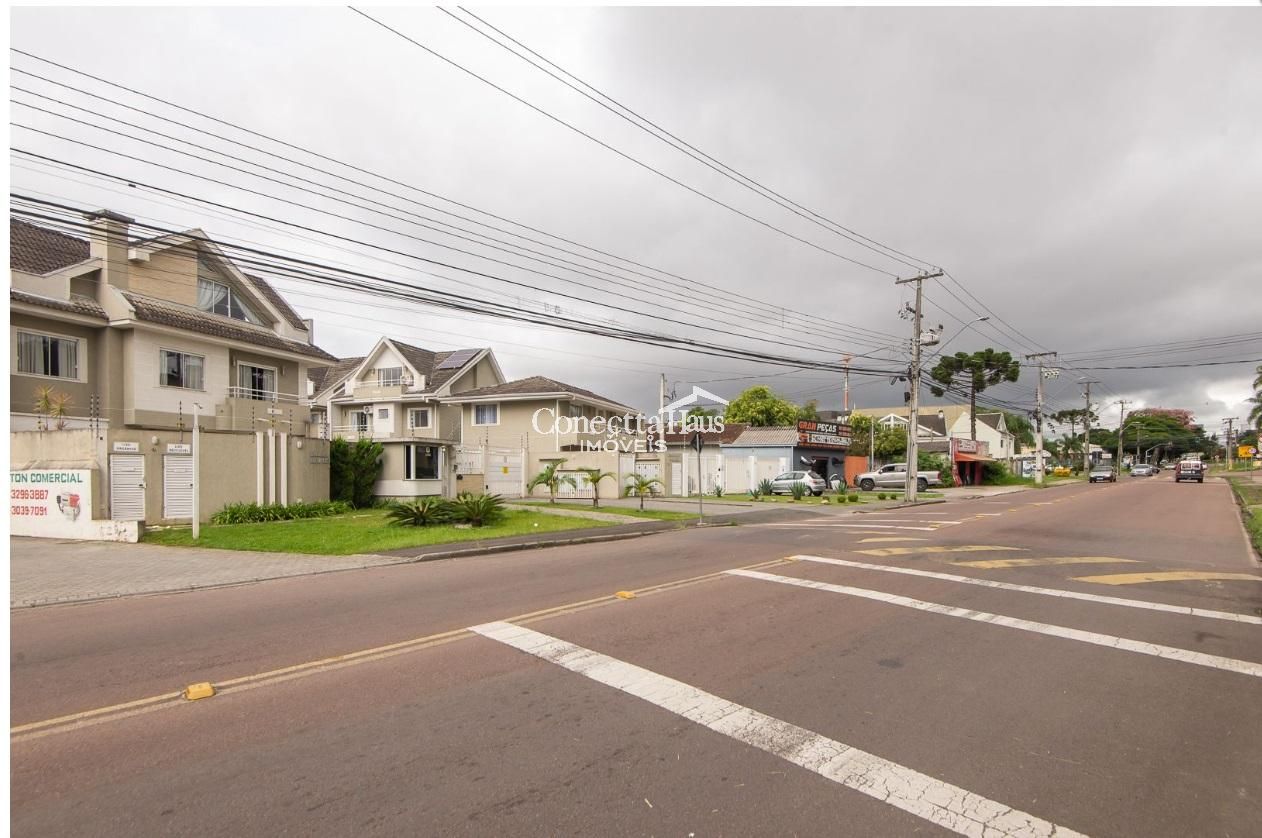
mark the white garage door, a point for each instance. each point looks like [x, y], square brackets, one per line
[503, 473]
[177, 486]
[127, 487]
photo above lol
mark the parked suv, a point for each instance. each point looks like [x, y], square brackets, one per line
[894, 476]
[1189, 470]
[783, 484]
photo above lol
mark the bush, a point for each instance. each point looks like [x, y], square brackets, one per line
[253, 513]
[764, 487]
[841, 497]
[353, 470]
[755, 494]
[854, 498]
[419, 513]
[477, 510]
[798, 490]
[880, 496]
[718, 491]
[997, 474]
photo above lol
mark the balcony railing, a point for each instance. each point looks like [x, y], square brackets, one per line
[351, 432]
[258, 395]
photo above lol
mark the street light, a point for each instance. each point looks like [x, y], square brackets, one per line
[962, 330]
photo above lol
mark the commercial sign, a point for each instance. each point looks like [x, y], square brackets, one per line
[1244, 452]
[50, 503]
[965, 446]
[813, 434]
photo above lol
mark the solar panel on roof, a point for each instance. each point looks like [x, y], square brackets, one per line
[457, 359]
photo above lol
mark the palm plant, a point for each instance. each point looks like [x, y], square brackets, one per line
[765, 487]
[51, 405]
[594, 476]
[1255, 414]
[477, 510]
[419, 513]
[552, 478]
[639, 485]
[798, 490]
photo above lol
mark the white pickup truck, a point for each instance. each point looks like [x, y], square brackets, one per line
[894, 476]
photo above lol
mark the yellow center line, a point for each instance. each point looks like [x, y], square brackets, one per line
[1166, 576]
[901, 538]
[1051, 560]
[126, 709]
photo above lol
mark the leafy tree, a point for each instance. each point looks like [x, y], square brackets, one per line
[701, 411]
[353, 470]
[760, 407]
[977, 371]
[809, 411]
[594, 476]
[890, 442]
[1020, 427]
[552, 478]
[1255, 413]
[860, 427]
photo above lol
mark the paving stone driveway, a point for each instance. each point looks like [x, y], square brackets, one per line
[44, 571]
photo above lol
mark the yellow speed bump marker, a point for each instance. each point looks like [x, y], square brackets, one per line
[1166, 576]
[912, 551]
[195, 691]
[625, 595]
[1050, 560]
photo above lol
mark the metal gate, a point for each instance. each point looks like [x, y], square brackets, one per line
[503, 473]
[127, 487]
[177, 486]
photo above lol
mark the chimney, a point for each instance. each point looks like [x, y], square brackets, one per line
[309, 325]
[109, 244]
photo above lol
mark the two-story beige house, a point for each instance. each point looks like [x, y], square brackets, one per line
[398, 395]
[133, 338]
[510, 431]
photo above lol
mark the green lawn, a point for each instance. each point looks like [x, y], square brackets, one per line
[366, 531]
[630, 512]
[1249, 493]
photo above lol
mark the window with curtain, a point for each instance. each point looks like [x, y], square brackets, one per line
[486, 414]
[180, 369]
[389, 376]
[55, 357]
[421, 462]
[219, 298]
[418, 417]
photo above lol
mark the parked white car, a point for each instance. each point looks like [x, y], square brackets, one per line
[894, 476]
[783, 484]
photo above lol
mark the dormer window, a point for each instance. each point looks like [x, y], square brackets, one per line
[219, 297]
[389, 376]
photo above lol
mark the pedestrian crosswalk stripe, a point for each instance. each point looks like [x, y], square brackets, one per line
[1174, 653]
[908, 551]
[938, 802]
[1030, 589]
[1167, 576]
[991, 564]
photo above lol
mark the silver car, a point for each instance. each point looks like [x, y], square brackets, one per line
[1142, 470]
[783, 484]
[894, 476]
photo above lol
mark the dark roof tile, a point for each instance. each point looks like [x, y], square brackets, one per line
[265, 288]
[38, 250]
[163, 312]
[77, 304]
[536, 384]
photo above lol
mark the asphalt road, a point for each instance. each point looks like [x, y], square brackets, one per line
[1083, 659]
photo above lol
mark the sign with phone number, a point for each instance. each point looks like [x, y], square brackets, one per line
[50, 503]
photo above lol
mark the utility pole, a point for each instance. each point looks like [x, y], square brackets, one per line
[1229, 423]
[197, 473]
[1086, 427]
[1121, 426]
[845, 392]
[1039, 467]
[913, 381]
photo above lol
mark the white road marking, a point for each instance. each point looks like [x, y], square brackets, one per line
[892, 538]
[1056, 592]
[1107, 640]
[925, 797]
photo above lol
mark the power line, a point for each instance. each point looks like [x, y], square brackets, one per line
[386, 178]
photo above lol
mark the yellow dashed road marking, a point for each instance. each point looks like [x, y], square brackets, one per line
[907, 551]
[907, 538]
[1166, 576]
[1000, 563]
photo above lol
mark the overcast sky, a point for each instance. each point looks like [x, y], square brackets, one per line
[1092, 176]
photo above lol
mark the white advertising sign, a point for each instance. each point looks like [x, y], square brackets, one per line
[57, 503]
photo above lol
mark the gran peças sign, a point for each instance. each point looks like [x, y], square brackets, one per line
[814, 434]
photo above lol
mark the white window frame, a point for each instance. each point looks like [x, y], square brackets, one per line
[162, 369]
[242, 302]
[409, 461]
[383, 414]
[429, 418]
[382, 383]
[81, 355]
[474, 419]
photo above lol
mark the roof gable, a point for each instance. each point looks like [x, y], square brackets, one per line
[41, 250]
